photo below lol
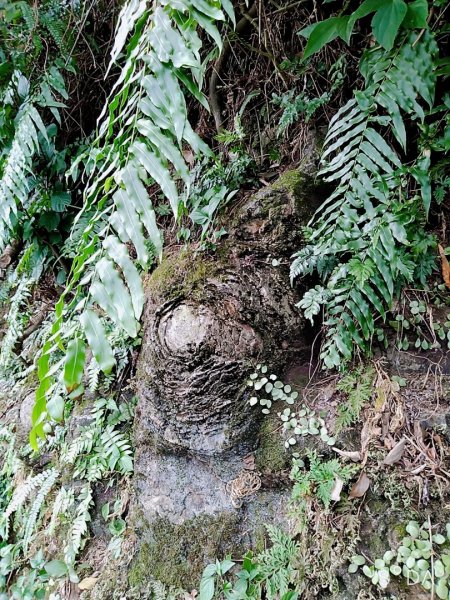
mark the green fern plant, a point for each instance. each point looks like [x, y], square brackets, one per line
[367, 240]
[147, 114]
[277, 563]
[318, 479]
[36, 508]
[79, 529]
[100, 448]
[63, 502]
[358, 388]
[17, 180]
[42, 482]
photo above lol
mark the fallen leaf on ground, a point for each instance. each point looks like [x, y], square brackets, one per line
[354, 456]
[87, 583]
[396, 453]
[360, 487]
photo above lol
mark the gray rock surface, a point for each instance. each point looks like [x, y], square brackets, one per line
[208, 320]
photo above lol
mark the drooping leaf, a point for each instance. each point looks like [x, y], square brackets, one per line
[74, 363]
[96, 337]
[119, 296]
[386, 22]
[56, 568]
[417, 14]
[55, 407]
[119, 254]
[322, 33]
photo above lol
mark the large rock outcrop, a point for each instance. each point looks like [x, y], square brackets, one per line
[208, 319]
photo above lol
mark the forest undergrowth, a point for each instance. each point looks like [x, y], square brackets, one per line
[129, 129]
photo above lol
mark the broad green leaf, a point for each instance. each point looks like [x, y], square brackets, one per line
[422, 176]
[227, 6]
[322, 33]
[416, 16]
[59, 201]
[38, 122]
[119, 255]
[165, 146]
[209, 27]
[55, 407]
[386, 22]
[100, 295]
[371, 152]
[208, 9]
[192, 87]
[206, 588]
[397, 121]
[142, 205]
[131, 223]
[128, 16]
[120, 296]
[157, 171]
[56, 568]
[165, 92]
[378, 142]
[74, 363]
[168, 43]
[96, 337]
[366, 8]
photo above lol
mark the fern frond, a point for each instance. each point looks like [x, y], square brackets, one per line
[23, 491]
[79, 528]
[116, 449]
[358, 386]
[366, 223]
[16, 180]
[93, 374]
[146, 113]
[63, 502]
[80, 445]
[276, 564]
[33, 514]
[17, 320]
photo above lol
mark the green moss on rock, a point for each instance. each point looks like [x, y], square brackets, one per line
[177, 554]
[181, 275]
[271, 455]
[291, 181]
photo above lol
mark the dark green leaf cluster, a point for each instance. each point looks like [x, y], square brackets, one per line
[368, 239]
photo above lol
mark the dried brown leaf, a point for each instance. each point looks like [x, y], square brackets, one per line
[354, 456]
[444, 266]
[360, 487]
[396, 453]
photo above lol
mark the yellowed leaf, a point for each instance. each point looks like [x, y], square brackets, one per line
[444, 266]
[87, 583]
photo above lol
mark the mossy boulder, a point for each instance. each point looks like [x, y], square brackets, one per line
[208, 319]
